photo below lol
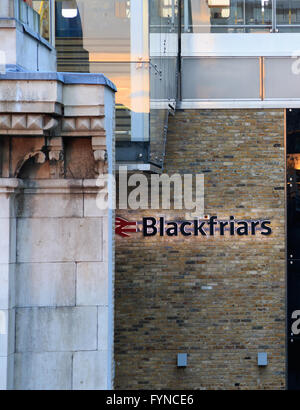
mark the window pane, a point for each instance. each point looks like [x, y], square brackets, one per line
[288, 12]
[203, 14]
[36, 14]
[226, 12]
[258, 12]
[163, 15]
[220, 16]
[42, 8]
[109, 37]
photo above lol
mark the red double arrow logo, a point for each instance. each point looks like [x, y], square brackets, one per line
[124, 227]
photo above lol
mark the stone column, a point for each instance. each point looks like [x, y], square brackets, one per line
[8, 188]
[63, 306]
[58, 140]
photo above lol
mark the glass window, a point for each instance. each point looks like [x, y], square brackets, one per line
[163, 15]
[42, 8]
[204, 16]
[122, 9]
[288, 12]
[258, 12]
[36, 14]
[106, 36]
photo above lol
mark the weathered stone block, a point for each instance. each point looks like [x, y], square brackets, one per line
[7, 240]
[92, 284]
[7, 332]
[90, 370]
[59, 240]
[103, 328]
[4, 288]
[90, 207]
[56, 329]
[3, 373]
[45, 284]
[49, 205]
[43, 371]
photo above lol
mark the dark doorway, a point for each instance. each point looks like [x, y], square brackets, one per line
[293, 246]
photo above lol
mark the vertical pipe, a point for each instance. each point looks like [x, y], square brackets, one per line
[262, 78]
[179, 50]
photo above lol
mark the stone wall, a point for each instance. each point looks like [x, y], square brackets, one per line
[56, 253]
[61, 284]
[219, 299]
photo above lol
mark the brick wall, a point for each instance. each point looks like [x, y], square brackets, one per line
[220, 299]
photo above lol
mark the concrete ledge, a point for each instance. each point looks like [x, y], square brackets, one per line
[10, 184]
[66, 78]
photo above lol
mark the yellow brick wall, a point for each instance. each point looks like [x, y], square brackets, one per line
[161, 306]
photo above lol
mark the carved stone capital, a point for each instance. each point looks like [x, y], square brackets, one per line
[100, 154]
[56, 157]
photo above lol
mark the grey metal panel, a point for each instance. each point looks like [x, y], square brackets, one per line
[163, 79]
[220, 78]
[281, 79]
[239, 45]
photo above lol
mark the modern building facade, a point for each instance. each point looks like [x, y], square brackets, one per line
[208, 87]
[229, 302]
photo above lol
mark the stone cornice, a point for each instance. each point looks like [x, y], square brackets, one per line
[63, 186]
[10, 185]
[51, 186]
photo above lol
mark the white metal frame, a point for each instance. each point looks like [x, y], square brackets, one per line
[237, 104]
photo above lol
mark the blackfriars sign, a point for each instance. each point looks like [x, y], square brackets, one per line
[211, 226]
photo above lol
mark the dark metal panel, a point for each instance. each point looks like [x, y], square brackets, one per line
[293, 247]
[294, 364]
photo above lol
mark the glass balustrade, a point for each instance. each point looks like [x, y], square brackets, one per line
[240, 16]
[36, 15]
